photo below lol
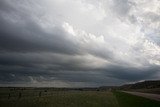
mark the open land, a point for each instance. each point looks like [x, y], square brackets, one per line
[48, 97]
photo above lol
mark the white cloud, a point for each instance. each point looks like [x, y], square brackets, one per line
[96, 29]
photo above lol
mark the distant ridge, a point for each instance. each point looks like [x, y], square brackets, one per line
[149, 84]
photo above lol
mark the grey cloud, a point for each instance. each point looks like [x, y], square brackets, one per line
[131, 73]
[121, 7]
[32, 38]
[153, 17]
[5, 7]
[30, 52]
[29, 36]
[109, 76]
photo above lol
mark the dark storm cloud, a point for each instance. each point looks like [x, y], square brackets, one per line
[101, 77]
[49, 61]
[33, 39]
[132, 73]
[27, 36]
[39, 48]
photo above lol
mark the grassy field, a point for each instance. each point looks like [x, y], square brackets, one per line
[50, 98]
[127, 100]
[59, 99]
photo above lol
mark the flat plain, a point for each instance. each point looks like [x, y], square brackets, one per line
[71, 98]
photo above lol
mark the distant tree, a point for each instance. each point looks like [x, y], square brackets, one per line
[40, 93]
[9, 95]
[20, 95]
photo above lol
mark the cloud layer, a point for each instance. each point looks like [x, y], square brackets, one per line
[78, 43]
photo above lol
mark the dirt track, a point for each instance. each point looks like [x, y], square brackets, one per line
[146, 95]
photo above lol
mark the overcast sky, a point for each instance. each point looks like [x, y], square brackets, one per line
[79, 43]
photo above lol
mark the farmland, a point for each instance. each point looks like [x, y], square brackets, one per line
[70, 98]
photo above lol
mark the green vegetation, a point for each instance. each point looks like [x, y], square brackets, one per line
[70, 98]
[127, 100]
[63, 99]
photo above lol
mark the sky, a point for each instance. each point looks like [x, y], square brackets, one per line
[79, 43]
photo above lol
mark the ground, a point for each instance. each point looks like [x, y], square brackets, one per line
[50, 98]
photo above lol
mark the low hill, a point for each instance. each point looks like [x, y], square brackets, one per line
[152, 86]
[142, 85]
